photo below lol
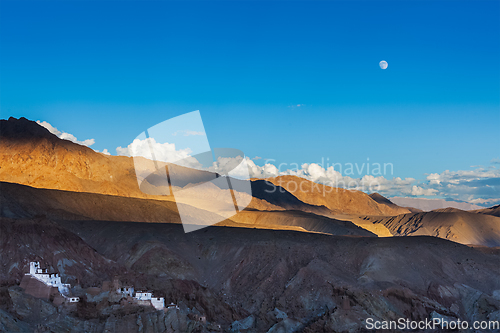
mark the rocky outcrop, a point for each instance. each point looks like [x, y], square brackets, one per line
[30, 314]
[36, 288]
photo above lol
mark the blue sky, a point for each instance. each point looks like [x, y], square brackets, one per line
[109, 70]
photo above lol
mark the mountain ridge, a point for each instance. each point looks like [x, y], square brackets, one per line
[31, 155]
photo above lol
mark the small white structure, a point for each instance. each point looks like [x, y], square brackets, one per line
[141, 296]
[173, 306]
[158, 303]
[52, 280]
[144, 298]
[126, 291]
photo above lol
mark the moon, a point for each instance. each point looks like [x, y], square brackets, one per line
[383, 64]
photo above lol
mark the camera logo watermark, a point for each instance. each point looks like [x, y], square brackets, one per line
[174, 158]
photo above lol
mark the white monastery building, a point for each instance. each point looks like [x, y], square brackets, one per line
[52, 280]
[143, 298]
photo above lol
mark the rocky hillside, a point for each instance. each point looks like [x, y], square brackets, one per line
[285, 280]
[63, 251]
[242, 279]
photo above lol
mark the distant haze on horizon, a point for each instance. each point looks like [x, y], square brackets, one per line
[430, 204]
[290, 83]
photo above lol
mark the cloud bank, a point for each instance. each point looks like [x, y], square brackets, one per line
[165, 152]
[478, 186]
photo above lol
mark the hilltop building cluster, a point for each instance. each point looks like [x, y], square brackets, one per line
[143, 298]
[51, 280]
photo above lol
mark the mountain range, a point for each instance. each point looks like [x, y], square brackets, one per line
[303, 257]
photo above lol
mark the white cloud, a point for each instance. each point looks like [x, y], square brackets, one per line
[434, 179]
[64, 135]
[419, 191]
[236, 167]
[461, 176]
[165, 152]
[105, 152]
[233, 166]
[478, 186]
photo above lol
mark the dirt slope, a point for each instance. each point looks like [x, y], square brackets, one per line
[462, 227]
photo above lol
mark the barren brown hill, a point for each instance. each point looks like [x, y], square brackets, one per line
[338, 200]
[495, 211]
[448, 210]
[380, 199]
[462, 227]
[383, 200]
[20, 201]
[414, 210]
[31, 155]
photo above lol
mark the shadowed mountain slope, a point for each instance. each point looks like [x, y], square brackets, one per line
[277, 195]
[20, 201]
[22, 240]
[307, 221]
